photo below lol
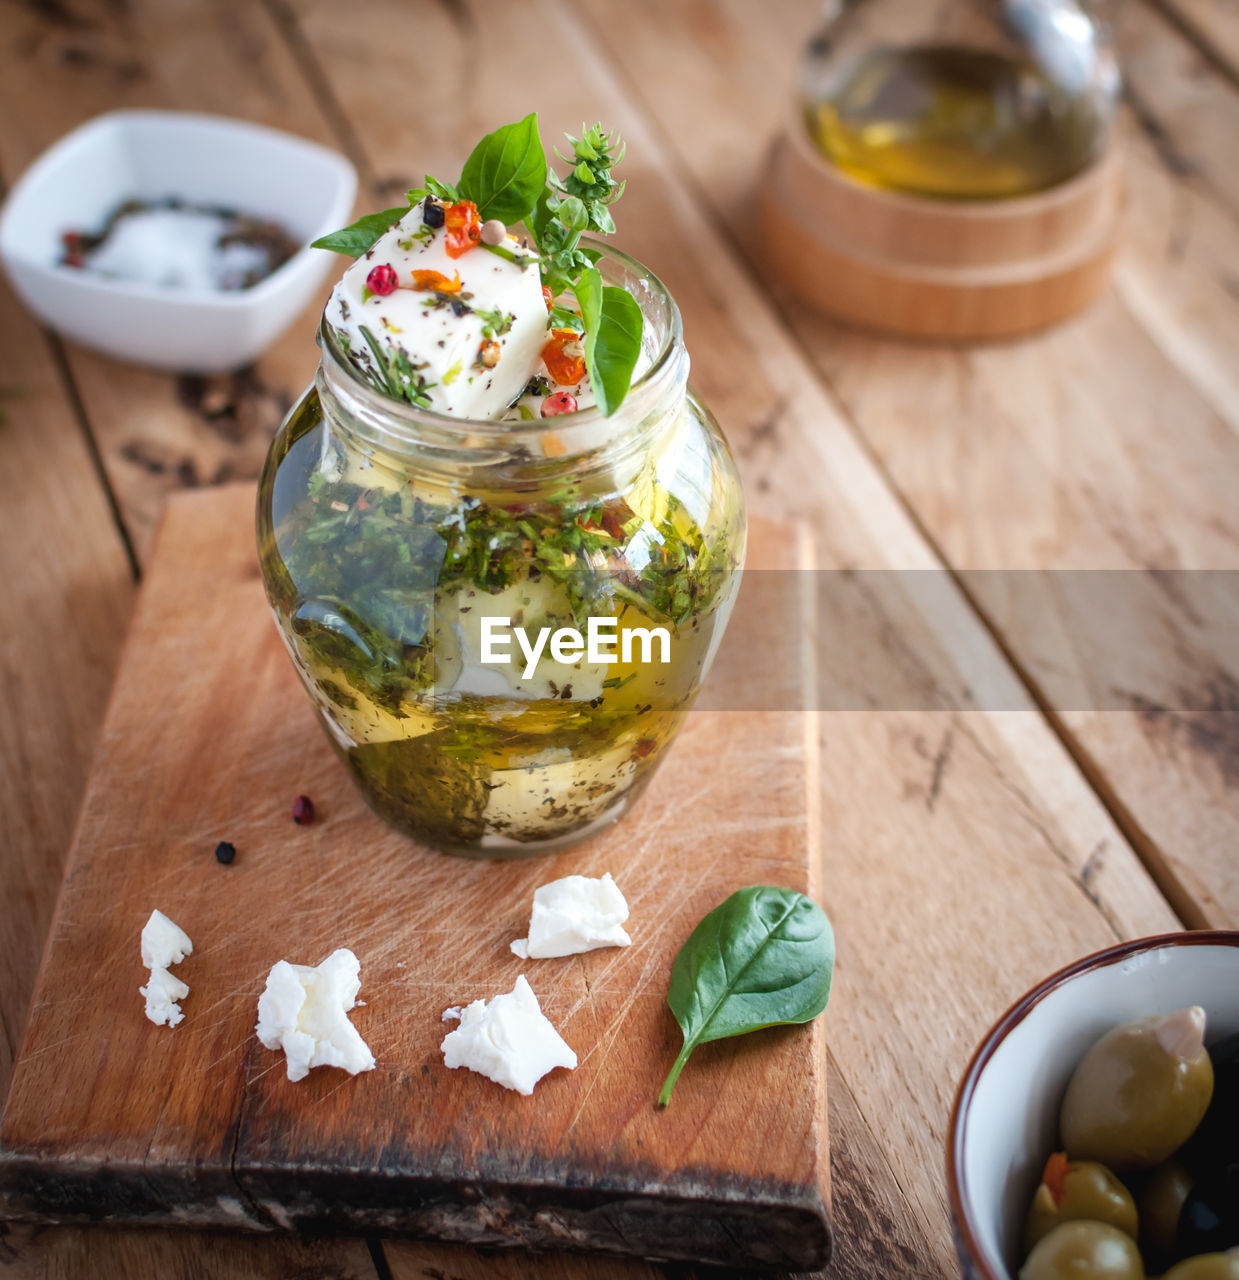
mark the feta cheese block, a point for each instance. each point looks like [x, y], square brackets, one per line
[164, 943]
[508, 1040]
[304, 1011]
[572, 915]
[440, 330]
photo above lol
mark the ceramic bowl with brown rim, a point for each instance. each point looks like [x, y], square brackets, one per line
[1005, 1120]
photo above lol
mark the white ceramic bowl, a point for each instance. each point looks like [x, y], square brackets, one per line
[147, 155]
[1005, 1121]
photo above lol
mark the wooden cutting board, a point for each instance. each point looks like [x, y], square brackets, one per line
[209, 737]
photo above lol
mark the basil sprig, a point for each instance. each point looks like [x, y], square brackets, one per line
[507, 177]
[763, 958]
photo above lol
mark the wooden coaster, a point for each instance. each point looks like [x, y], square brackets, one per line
[936, 268]
[210, 737]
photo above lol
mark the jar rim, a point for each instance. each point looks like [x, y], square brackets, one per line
[415, 421]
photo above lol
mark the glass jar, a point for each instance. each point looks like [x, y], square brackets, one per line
[968, 99]
[388, 535]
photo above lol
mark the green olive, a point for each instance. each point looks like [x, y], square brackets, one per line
[1139, 1092]
[1208, 1266]
[1161, 1202]
[1084, 1251]
[1084, 1192]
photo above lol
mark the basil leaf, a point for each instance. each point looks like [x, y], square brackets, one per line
[599, 217]
[588, 290]
[355, 240]
[541, 216]
[763, 958]
[572, 214]
[564, 318]
[506, 172]
[613, 324]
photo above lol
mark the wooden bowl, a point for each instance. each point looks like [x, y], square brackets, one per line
[936, 268]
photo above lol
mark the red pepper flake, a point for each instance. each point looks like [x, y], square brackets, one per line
[645, 746]
[437, 281]
[72, 242]
[564, 357]
[303, 811]
[463, 228]
[1055, 1176]
[548, 297]
[382, 280]
[557, 403]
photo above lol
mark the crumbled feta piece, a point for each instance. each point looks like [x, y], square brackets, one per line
[441, 332]
[163, 943]
[508, 1040]
[304, 1011]
[572, 915]
[162, 991]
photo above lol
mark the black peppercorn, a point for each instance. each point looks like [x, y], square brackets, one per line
[432, 213]
[225, 852]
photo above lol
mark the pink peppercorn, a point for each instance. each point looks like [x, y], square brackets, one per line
[560, 402]
[382, 280]
[303, 811]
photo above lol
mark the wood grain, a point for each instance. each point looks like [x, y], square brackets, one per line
[1037, 835]
[30, 1252]
[872, 1234]
[62, 618]
[1176, 273]
[1053, 453]
[210, 736]
[1213, 26]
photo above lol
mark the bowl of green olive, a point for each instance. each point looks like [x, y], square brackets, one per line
[1095, 1134]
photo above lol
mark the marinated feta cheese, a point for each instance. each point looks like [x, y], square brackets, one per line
[164, 943]
[526, 793]
[463, 329]
[304, 1011]
[572, 915]
[508, 1040]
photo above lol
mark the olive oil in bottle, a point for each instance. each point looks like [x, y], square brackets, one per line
[955, 123]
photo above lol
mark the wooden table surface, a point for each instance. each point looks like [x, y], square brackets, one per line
[978, 832]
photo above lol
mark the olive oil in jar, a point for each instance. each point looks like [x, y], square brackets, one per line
[954, 123]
